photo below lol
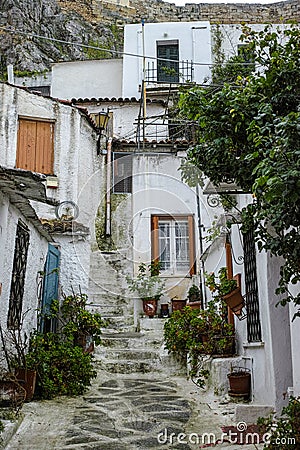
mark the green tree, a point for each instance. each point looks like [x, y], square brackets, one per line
[249, 133]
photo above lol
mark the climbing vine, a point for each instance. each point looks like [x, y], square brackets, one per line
[249, 134]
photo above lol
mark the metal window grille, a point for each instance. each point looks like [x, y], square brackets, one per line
[252, 300]
[122, 173]
[183, 71]
[18, 276]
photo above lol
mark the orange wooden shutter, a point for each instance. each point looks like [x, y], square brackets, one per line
[35, 148]
[26, 145]
[192, 245]
[44, 148]
[155, 243]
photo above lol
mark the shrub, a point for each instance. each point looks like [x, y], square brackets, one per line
[285, 432]
[194, 333]
[62, 368]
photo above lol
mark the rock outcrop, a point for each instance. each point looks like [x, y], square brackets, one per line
[99, 23]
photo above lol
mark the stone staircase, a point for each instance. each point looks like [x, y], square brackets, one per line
[127, 346]
[108, 292]
[137, 352]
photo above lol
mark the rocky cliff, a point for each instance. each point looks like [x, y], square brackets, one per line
[47, 18]
[100, 23]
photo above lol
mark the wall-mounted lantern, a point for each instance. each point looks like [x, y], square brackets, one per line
[101, 120]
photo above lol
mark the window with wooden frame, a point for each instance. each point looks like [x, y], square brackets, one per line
[173, 244]
[35, 147]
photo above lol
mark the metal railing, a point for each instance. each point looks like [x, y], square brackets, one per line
[179, 72]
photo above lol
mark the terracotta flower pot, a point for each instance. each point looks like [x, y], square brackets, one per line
[178, 305]
[240, 383]
[235, 301]
[150, 306]
[195, 305]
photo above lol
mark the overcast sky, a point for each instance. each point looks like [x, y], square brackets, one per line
[183, 2]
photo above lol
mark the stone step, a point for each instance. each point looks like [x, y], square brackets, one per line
[130, 340]
[127, 354]
[124, 366]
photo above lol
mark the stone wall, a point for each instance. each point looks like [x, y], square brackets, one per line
[216, 13]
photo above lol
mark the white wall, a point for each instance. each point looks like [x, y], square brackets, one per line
[194, 45]
[295, 342]
[76, 164]
[271, 359]
[87, 79]
[37, 252]
[125, 119]
[230, 34]
[158, 189]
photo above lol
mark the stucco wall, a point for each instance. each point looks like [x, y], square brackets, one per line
[76, 164]
[37, 252]
[295, 343]
[158, 189]
[87, 79]
[124, 115]
[194, 45]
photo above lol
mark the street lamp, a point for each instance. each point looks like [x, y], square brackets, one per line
[101, 120]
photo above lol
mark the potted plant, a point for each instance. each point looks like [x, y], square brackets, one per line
[226, 289]
[83, 326]
[194, 297]
[190, 334]
[148, 285]
[177, 304]
[239, 382]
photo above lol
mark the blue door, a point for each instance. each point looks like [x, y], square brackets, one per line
[50, 287]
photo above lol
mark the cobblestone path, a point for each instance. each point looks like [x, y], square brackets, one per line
[126, 412]
[116, 414]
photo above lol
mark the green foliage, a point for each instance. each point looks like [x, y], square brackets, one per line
[192, 333]
[62, 367]
[224, 286]
[77, 320]
[285, 432]
[147, 284]
[194, 294]
[249, 133]
[98, 53]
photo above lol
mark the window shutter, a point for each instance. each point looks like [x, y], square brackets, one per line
[35, 148]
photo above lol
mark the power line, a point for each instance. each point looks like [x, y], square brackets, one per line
[117, 52]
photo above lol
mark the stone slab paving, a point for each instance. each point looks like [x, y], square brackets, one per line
[125, 412]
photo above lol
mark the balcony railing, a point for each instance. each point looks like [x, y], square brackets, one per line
[177, 72]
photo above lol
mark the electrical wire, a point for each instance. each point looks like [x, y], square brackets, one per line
[117, 52]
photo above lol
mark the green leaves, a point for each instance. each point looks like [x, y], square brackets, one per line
[249, 132]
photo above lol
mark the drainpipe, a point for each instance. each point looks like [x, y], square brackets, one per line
[108, 188]
[200, 226]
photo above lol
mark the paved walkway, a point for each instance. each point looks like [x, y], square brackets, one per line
[126, 412]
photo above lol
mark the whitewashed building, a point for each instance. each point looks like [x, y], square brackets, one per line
[50, 173]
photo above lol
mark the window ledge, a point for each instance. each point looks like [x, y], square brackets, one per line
[253, 344]
[176, 275]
